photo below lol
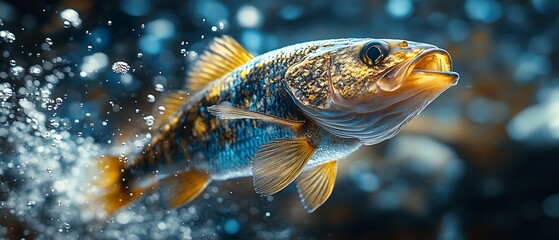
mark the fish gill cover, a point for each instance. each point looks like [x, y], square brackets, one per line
[79, 76]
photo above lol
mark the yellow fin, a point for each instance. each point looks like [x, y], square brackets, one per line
[315, 185]
[167, 105]
[115, 191]
[225, 110]
[222, 56]
[183, 187]
[278, 162]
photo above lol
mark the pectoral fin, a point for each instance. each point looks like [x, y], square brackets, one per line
[279, 162]
[181, 188]
[315, 185]
[225, 110]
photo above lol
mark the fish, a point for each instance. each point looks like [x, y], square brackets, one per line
[286, 116]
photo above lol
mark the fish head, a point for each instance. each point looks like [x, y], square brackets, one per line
[369, 88]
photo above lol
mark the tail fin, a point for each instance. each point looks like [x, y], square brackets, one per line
[114, 184]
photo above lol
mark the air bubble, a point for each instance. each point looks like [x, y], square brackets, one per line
[161, 109]
[151, 98]
[159, 87]
[49, 41]
[150, 120]
[7, 36]
[121, 67]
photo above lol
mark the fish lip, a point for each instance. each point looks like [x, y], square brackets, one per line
[442, 64]
[431, 61]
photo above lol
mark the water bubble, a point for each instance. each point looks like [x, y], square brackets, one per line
[66, 24]
[159, 87]
[183, 52]
[89, 47]
[7, 36]
[57, 138]
[13, 62]
[49, 41]
[121, 67]
[140, 55]
[109, 22]
[161, 109]
[150, 120]
[151, 98]
[17, 71]
[71, 18]
[143, 26]
[49, 170]
[214, 28]
[36, 70]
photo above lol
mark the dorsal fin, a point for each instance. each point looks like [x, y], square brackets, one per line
[222, 56]
[167, 105]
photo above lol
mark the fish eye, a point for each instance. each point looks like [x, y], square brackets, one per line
[373, 53]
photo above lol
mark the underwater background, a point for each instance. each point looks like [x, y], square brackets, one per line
[78, 77]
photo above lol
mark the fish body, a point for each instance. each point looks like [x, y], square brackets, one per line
[285, 116]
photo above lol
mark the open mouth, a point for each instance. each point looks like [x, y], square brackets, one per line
[432, 69]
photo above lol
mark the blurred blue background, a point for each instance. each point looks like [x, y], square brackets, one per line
[482, 162]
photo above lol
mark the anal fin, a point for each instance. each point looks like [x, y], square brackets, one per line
[183, 187]
[225, 110]
[316, 184]
[278, 162]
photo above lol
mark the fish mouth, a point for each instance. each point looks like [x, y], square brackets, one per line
[431, 69]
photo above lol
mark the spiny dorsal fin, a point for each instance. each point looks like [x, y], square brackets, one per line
[315, 185]
[167, 105]
[222, 56]
[278, 162]
[225, 110]
[183, 187]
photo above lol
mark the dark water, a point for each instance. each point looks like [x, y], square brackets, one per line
[480, 163]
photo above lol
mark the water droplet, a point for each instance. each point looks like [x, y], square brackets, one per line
[30, 203]
[13, 62]
[140, 55]
[161, 109]
[57, 138]
[7, 36]
[214, 28]
[267, 214]
[49, 41]
[49, 171]
[36, 70]
[159, 87]
[66, 24]
[183, 52]
[17, 71]
[110, 23]
[66, 225]
[150, 120]
[71, 18]
[143, 26]
[89, 47]
[121, 67]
